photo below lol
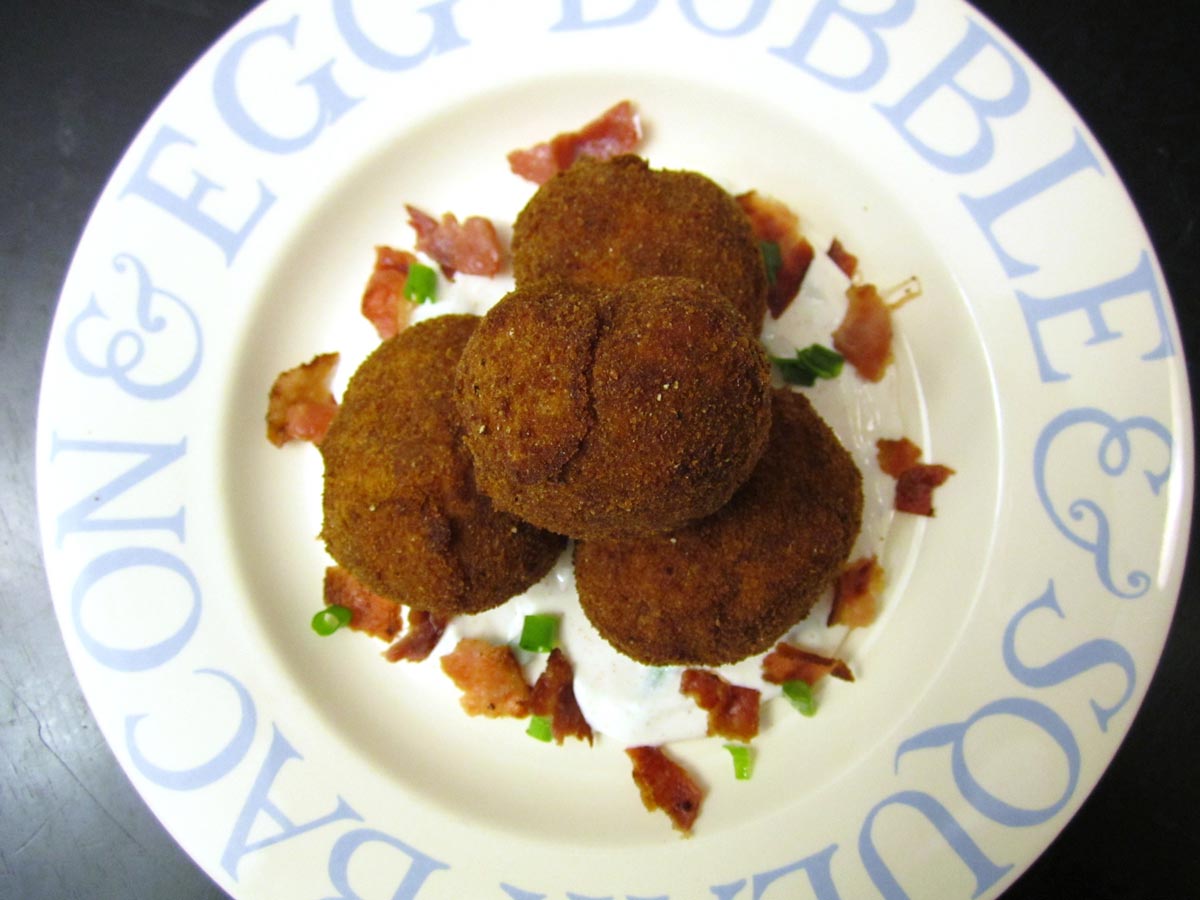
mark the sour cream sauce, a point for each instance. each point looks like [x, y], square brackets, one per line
[639, 705]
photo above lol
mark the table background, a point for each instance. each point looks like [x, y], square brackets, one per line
[79, 77]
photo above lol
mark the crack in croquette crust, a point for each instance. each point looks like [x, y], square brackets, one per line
[654, 407]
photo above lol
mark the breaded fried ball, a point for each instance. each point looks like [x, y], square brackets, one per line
[599, 412]
[605, 223]
[402, 513]
[731, 585]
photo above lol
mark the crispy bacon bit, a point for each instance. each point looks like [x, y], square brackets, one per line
[865, 335]
[787, 662]
[856, 593]
[896, 456]
[842, 258]
[617, 130]
[773, 221]
[666, 785]
[383, 298]
[471, 246]
[301, 405]
[425, 629]
[489, 677]
[369, 613]
[914, 488]
[732, 709]
[915, 482]
[553, 696]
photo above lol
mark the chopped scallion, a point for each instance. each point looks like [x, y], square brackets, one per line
[743, 761]
[421, 284]
[330, 619]
[772, 259]
[809, 364]
[539, 633]
[800, 694]
[540, 728]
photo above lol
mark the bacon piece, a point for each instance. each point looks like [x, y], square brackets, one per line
[842, 258]
[301, 405]
[425, 629]
[383, 300]
[865, 335]
[489, 677]
[617, 130]
[554, 696]
[370, 613]
[856, 593]
[471, 246]
[914, 488]
[787, 662]
[772, 221]
[915, 482]
[732, 709]
[896, 456]
[666, 785]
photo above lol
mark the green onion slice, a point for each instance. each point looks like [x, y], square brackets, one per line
[330, 619]
[743, 761]
[800, 693]
[772, 259]
[421, 284]
[809, 364]
[539, 633]
[540, 728]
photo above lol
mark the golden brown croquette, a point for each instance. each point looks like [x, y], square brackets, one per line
[402, 513]
[606, 223]
[731, 585]
[619, 411]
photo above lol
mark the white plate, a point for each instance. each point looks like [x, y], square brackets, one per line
[1021, 628]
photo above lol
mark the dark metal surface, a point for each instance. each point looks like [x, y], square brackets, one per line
[79, 78]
